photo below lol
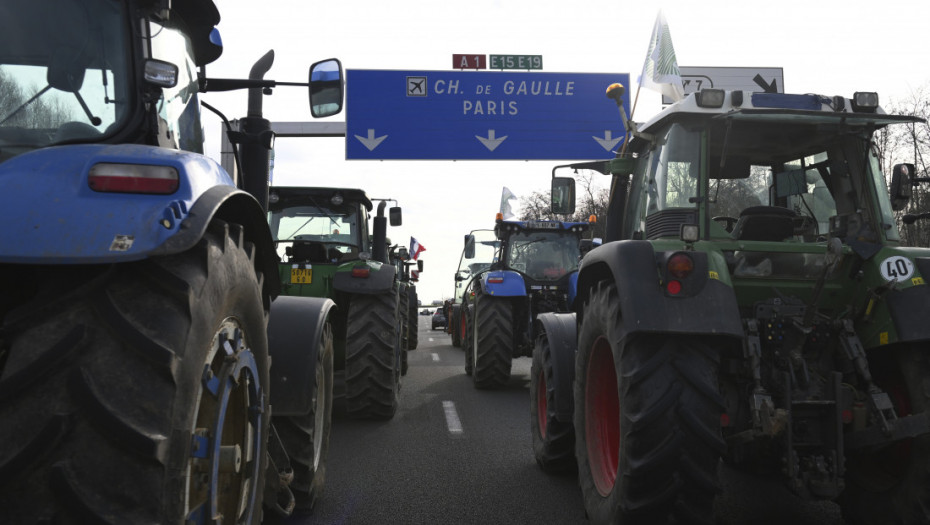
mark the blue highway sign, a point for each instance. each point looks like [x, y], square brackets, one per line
[486, 115]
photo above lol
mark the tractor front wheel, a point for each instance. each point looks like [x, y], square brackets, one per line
[553, 440]
[306, 438]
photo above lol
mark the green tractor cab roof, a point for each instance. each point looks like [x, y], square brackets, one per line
[283, 194]
[862, 110]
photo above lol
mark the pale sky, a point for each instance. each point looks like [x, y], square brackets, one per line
[827, 47]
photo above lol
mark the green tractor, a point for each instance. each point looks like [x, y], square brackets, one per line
[752, 304]
[408, 273]
[326, 251]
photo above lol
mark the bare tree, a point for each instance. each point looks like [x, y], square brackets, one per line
[592, 200]
[910, 143]
[41, 113]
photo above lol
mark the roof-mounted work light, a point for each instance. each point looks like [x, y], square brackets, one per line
[710, 98]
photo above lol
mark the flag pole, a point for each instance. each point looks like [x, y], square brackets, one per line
[629, 123]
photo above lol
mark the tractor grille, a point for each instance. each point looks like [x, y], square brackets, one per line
[667, 223]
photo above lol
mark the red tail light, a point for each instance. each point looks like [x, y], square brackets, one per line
[133, 178]
[496, 279]
[361, 272]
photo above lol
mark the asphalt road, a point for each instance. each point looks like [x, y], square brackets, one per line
[456, 455]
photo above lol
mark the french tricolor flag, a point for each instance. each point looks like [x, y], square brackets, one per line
[415, 248]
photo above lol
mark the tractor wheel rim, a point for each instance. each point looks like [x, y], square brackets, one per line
[602, 417]
[225, 460]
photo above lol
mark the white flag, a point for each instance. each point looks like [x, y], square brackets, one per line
[660, 72]
[506, 197]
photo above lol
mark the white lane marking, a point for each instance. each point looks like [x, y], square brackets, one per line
[452, 417]
[435, 357]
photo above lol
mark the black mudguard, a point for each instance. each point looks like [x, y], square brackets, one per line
[236, 206]
[561, 330]
[908, 310]
[633, 266]
[379, 281]
[294, 330]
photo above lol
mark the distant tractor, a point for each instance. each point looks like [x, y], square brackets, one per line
[322, 237]
[533, 270]
[481, 249]
[408, 273]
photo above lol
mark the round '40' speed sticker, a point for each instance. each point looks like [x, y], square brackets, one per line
[897, 268]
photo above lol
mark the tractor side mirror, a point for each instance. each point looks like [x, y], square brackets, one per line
[562, 196]
[327, 88]
[901, 185]
[420, 265]
[394, 215]
[469, 246]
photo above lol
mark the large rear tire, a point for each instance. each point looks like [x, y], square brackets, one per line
[647, 421]
[892, 484]
[306, 438]
[492, 342]
[373, 357]
[139, 397]
[553, 440]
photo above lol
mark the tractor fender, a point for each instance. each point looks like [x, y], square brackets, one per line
[511, 286]
[561, 332]
[84, 226]
[908, 306]
[380, 280]
[294, 330]
[572, 288]
[645, 306]
[235, 206]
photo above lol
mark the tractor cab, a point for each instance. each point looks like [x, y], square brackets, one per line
[319, 225]
[543, 251]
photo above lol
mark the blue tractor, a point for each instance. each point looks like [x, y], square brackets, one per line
[138, 316]
[534, 270]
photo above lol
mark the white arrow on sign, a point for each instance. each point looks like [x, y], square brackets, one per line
[371, 142]
[490, 141]
[608, 142]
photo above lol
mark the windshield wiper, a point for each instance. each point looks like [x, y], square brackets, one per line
[320, 209]
[25, 104]
[95, 120]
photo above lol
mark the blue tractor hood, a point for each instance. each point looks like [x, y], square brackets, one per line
[54, 217]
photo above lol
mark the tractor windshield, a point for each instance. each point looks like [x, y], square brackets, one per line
[769, 178]
[64, 72]
[336, 226]
[543, 256]
[797, 183]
